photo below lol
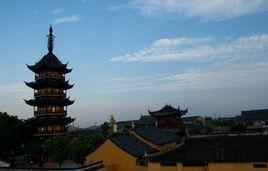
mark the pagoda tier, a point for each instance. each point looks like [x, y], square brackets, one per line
[52, 83]
[168, 117]
[51, 62]
[49, 101]
[46, 126]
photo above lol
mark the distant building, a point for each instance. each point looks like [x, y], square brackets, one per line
[193, 124]
[168, 117]
[193, 120]
[143, 121]
[254, 118]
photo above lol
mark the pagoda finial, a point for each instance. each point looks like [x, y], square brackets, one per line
[50, 42]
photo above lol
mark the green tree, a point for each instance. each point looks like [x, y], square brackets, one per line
[58, 147]
[238, 128]
[209, 127]
[82, 146]
[14, 133]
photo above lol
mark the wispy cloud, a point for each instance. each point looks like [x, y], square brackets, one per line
[209, 10]
[224, 76]
[200, 49]
[67, 19]
[14, 88]
[57, 11]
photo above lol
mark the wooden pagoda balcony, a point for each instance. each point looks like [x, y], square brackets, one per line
[49, 94]
[50, 130]
[49, 112]
[62, 78]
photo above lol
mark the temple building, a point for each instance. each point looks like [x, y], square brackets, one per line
[168, 117]
[50, 94]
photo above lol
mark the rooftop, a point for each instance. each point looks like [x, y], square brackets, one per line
[168, 110]
[201, 151]
[131, 145]
[261, 114]
[156, 136]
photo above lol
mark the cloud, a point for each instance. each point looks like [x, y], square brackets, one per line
[13, 88]
[205, 10]
[220, 77]
[200, 50]
[67, 19]
[233, 76]
[57, 11]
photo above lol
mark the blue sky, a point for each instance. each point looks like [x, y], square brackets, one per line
[129, 56]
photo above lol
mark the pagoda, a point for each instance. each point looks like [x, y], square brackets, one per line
[50, 94]
[168, 117]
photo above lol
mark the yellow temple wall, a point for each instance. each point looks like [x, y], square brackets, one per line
[236, 166]
[210, 167]
[114, 158]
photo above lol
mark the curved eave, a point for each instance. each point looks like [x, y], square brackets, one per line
[29, 84]
[183, 112]
[64, 120]
[31, 67]
[64, 85]
[165, 114]
[64, 102]
[39, 67]
[67, 70]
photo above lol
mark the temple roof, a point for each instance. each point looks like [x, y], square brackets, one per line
[45, 101]
[49, 61]
[146, 120]
[49, 83]
[201, 151]
[251, 115]
[168, 110]
[156, 136]
[131, 145]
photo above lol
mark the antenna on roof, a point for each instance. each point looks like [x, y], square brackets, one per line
[50, 42]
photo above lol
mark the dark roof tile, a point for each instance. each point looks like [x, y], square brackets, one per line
[261, 114]
[131, 145]
[155, 135]
[201, 151]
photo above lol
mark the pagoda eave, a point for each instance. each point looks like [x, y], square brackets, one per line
[37, 102]
[38, 120]
[166, 114]
[37, 85]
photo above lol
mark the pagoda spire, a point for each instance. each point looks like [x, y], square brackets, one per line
[50, 42]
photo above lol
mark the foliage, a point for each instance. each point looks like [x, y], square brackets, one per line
[82, 146]
[222, 122]
[238, 128]
[58, 147]
[209, 127]
[13, 132]
[107, 127]
[63, 148]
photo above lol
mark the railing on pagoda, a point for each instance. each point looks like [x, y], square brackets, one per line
[49, 94]
[48, 76]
